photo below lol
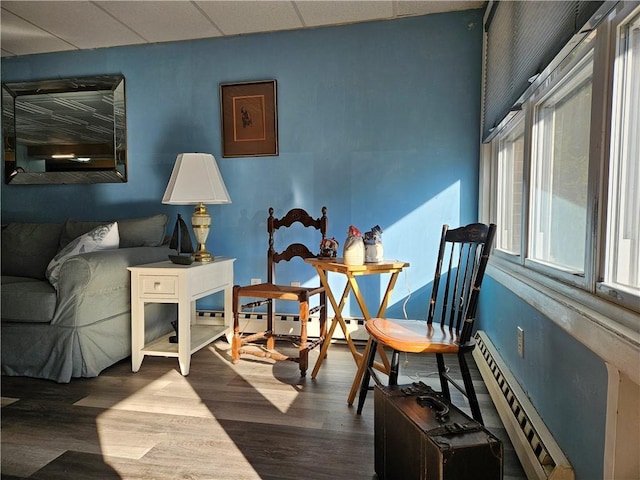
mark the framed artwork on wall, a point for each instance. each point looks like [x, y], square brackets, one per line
[249, 119]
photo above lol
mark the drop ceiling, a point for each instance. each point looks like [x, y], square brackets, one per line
[32, 27]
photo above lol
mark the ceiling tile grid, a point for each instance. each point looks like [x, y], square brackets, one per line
[30, 27]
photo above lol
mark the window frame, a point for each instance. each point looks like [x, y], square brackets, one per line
[603, 41]
[618, 294]
[561, 79]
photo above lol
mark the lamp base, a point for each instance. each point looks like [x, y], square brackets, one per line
[201, 222]
[201, 254]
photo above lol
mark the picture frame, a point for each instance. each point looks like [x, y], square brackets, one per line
[249, 119]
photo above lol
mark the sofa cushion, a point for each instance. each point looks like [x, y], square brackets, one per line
[143, 232]
[72, 229]
[103, 237]
[27, 300]
[134, 232]
[27, 248]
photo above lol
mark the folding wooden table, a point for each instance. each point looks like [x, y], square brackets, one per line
[323, 267]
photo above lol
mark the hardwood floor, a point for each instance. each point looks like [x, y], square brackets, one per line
[253, 420]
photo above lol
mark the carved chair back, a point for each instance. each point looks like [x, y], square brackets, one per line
[293, 250]
[463, 253]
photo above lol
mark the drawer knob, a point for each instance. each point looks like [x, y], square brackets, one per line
[156, 285]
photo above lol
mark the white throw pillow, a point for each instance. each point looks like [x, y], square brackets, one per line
[104, 237]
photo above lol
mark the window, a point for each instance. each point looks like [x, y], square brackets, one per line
[622, 267]
[560, 171]
[509, 188]
[565, 169]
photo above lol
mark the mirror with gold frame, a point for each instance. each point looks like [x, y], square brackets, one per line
[65, 131]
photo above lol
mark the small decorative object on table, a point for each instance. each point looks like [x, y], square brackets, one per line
[353, 252]
[373, 245]
[181, 242]
[328, 248]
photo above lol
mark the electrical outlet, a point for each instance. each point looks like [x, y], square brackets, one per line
[255, 281]
[521, 342]
[295, 284]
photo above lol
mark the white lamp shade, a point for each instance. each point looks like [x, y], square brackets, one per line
[195, 179]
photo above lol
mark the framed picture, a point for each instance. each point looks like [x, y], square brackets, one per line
[249, 119]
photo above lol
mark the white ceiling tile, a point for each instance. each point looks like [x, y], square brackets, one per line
[410, 7]
[237, 17]
[162, 21]
[82, 24]
[22, 38]
[317, 12]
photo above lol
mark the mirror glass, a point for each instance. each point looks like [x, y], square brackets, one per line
[65, 131]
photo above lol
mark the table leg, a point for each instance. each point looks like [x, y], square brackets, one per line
[324, 348]
[387, 294]
[337, 319]
[228, 313]
[385, 366]
[358, 295]
[362, 365]
[137, 333]
[381, 312]
[184, 335]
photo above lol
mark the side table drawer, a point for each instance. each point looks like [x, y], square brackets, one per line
[155, 285]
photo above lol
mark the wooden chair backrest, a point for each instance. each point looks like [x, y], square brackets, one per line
[464, 253]
[295, 215]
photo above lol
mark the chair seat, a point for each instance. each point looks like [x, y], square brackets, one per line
[413, 336]
[279, 292]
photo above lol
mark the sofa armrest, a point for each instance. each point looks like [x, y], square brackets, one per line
[96, 286]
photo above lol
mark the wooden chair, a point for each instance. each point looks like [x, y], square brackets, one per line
[270, 291]
[452, 311]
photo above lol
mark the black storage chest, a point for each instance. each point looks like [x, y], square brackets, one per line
[415, 439]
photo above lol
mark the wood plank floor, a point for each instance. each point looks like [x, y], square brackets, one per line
[253, 420]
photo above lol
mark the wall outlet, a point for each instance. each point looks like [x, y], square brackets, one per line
[521, 342]
[295, 284]
[255, 281]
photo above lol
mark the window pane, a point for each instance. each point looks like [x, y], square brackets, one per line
[509, 189]
[560, 172]
[623, 243]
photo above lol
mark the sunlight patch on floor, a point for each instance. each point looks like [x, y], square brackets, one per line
[7, 401]
[171, 394]
[281, 399]
[152, 398]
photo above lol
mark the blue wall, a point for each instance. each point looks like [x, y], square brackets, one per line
[566, 382]
[377, 121]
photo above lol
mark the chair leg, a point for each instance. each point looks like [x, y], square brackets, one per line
[270, 332]
[366, 377]
[470, 390]
[303, 351]
[395, 368]
[303, 359]
[236, 342]
[442, 372]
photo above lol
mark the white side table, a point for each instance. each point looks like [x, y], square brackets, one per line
[166, 282]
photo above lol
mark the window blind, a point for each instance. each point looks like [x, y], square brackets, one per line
[523, 37]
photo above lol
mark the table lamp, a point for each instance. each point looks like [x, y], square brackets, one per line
[196, 180]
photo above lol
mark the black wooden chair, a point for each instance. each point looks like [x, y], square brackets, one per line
[268, 292]
[452, 311]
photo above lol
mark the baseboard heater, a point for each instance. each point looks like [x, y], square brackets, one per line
[539, 454]
[289, 323]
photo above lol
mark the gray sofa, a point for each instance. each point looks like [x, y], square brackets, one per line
[83, 324]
